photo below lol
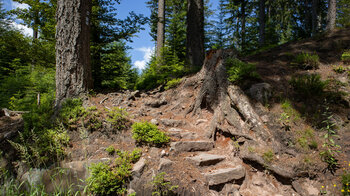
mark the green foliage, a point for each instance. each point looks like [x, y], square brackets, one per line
[118, 118]
[345, 180]
[239, 71]
[340, 69]
[308, 86]
[111, 150]
[41, 148]
[146, 132]
[287, 108]
[306, 139]
[161, 186]
[268, 156]
[111, 179]
[72, 112]
[331, 149]
[172, 83]
[116, 69]
[345, 57]
[307, 61]
[111, 66]
[162, 70]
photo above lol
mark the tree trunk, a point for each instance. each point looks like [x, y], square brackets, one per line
[331, 15]
[73, 71]
[314, 16]
[261, 22]
[160, 27]
[195, 33]
[243, 23]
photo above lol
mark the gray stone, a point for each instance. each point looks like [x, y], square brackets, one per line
[172, 122]
[156, 103]
[164, 164]
[154, 121]
[190, 146]
[222, 176]
[205, 159]
[182, 134]
[261, 92]
[305, 187]
[138, 167]
[33, 177]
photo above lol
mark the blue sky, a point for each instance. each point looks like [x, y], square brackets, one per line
[142, 45]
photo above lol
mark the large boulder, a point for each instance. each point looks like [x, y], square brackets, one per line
[261, 92]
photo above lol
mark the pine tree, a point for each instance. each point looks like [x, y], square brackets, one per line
[262, 22]
[40, 16]
[107, 28]
[195, 33]
[331, 15]
[160, 27]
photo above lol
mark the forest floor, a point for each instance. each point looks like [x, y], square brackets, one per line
[168, 109]
[292, 167]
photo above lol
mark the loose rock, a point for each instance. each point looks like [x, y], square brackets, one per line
[221, 176]
[205, 159]
[138, 167]
[190, 146]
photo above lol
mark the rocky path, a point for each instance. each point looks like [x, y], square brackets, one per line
[201, 166]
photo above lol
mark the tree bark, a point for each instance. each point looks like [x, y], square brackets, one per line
[262, 17]
[331, 15]
[314, 16]
[73, 71]
[160, 27]
[243, 23]
[195, 33]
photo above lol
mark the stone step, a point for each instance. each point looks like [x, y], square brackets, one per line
[225, 175]
[190, 146]
[205, 159]
[182, 134]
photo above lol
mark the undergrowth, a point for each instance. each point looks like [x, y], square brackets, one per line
[161, 186]
[309, 86]
[148, 133]
[118, 118]
[40, 149]
[239, 71]
[345, 57]
[111, 179]
[307, 61]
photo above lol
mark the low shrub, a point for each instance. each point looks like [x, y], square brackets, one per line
[40, 149]
[345, 57]
[345, 180]
[307, 61]
[73, 112]
[111, 179]
[308, 86]
[239, 71]
[146, 132]
[172, 83]
[118, 118]
[161, 186]
[339, 69]
[111, 150]
[268, 156]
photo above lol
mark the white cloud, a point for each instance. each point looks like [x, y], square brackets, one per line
[148, 51]
[16, 5]
[24, 29]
